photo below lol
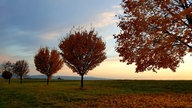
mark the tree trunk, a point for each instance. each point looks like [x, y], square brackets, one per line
[21, 79]
[81, 81]
[48, 79]
[9, 80]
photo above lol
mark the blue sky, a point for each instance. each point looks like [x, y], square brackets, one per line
[27, 25]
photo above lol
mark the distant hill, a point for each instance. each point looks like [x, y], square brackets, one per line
[65, 77]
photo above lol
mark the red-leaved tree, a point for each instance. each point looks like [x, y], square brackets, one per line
[155, 33]
[48, 62]
[82, 51]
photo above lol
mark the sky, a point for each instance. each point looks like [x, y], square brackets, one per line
[27, 25]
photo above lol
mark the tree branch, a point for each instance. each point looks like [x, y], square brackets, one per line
[179, 39]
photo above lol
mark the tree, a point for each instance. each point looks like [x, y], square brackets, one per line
[155, 33]
[7, 66]
[7, 75]
[82, 51]
[48, 62]
[21, 68]
[7, 70]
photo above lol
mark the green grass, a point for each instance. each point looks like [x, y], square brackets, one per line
[61, 93]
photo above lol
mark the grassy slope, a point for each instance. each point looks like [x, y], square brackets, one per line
[35, 93]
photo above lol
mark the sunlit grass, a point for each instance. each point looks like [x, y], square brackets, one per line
[61, 93]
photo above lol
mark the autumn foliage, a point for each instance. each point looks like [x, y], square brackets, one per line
[82, 51]
[48, 62]
[163, 100]
[155, 33]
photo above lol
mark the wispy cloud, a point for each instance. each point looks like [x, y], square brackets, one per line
[116, 7]
[4, 58]
[109, 37]
[50, 36]
[105, 19]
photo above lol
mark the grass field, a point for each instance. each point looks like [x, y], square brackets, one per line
[96, 94]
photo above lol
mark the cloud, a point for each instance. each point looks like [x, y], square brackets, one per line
[4, 58]
[116, 7]
[50, 36]
[104, 19]
[18, 44]
[109, 37]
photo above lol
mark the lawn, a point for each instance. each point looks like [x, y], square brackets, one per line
[35, 93]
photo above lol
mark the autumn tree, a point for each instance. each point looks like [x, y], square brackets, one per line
[82, 51]
[7, 75]
[21, 68]
[155, 33]
[48, 62]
